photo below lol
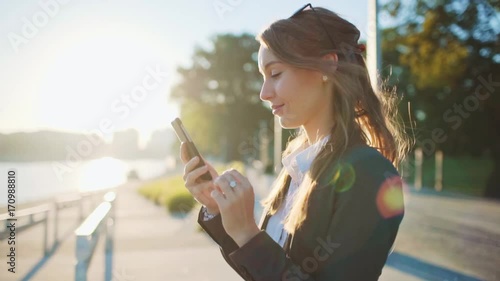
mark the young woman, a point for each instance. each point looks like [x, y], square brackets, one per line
[334, 210]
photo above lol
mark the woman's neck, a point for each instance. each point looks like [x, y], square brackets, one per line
[316, 133]
[320, 124]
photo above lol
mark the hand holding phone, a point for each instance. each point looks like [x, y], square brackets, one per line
[192, 151]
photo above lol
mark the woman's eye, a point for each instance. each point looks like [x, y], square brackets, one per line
[275, 74]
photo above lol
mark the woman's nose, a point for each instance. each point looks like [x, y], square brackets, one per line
[266, 92]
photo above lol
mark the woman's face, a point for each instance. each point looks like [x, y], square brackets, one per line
[298, 96]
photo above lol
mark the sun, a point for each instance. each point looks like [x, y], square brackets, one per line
[90, 71]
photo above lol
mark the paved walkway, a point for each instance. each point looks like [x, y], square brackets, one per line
[149, 245]
[450, 236]
[438, 236]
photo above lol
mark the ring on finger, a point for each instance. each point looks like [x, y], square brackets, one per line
[232, 183]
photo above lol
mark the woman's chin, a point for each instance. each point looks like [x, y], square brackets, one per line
[287, 123]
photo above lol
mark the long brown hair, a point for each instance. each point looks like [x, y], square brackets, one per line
[360, 114]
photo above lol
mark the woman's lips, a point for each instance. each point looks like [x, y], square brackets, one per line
[277, 109]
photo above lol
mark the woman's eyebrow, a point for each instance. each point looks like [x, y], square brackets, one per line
[269, 64]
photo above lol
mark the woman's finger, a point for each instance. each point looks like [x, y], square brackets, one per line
[184, 154]
[202, 192]
[202, 186]
[195, 174]
[211, 169]
[199, 195]
[207, 191]
[223, 182]
[219, 198]
[239, 187]
[190, 166]
[241, 179]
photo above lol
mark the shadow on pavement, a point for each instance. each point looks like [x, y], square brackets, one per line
[424, 270]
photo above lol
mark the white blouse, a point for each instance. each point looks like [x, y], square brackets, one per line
[296, 164]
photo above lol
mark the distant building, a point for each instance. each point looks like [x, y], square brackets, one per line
[160, 145]
[125, 144]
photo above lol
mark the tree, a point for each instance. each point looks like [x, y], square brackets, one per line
[447, 58]
[219, 96]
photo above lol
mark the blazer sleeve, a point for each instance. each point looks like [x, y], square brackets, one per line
[216, 231]
[350, 228]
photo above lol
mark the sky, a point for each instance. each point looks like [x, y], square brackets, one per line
[107, 65]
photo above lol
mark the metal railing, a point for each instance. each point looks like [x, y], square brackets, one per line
[35, 215]
[68, 202]
[27, 218]
[99, 222]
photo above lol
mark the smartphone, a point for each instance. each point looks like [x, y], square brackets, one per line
[192, 151]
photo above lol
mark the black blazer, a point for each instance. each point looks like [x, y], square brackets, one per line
[352, 222]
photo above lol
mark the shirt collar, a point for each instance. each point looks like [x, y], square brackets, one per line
[298, 162]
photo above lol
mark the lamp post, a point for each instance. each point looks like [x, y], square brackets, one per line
[374, 52]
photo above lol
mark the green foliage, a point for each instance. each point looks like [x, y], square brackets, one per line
[436, 59]
[162, 190]
[464, 174]
[171, 192]
[442, 56]
[439, 54]
[219, 96]
[180, 203]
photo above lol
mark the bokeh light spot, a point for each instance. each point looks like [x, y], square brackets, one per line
[390, 200]
[343, 177]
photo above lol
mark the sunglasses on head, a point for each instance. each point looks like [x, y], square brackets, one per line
[319, 19]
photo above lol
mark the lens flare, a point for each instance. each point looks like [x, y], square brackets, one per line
[343, 178]
[390, 201]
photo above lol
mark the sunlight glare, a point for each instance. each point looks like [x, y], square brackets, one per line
[102, 173]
